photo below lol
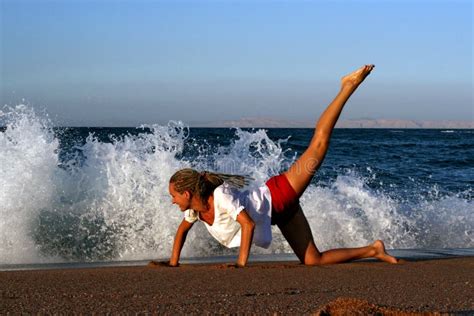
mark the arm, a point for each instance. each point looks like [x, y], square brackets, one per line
[179, 240]
[248, 227]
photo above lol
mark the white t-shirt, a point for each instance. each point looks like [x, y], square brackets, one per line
[228, 202]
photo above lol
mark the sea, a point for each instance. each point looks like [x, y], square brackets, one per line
[98, 196]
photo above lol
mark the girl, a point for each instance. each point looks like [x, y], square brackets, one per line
[238, 218]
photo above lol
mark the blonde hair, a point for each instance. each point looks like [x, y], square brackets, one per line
[203, 183]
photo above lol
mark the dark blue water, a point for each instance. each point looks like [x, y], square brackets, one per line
[397, 161]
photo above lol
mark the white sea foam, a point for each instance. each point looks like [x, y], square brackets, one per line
[348, 214]
[28, 173]
[113, 204]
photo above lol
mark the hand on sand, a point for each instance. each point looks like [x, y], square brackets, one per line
[161, 264]
[355, 78]
[230, 266]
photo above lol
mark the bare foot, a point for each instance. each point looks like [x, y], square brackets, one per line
[355, 78]
[381, 254]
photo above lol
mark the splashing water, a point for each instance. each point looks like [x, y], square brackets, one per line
[28, 162]
[109, 201]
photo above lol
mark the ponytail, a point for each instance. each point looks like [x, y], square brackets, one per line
[204, 183]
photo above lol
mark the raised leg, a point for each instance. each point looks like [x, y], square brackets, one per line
[298, 234]
[302, 171]
[297, 231]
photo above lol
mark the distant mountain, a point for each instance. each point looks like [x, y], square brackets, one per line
[254, 122]
[385, 123]
[361, 123]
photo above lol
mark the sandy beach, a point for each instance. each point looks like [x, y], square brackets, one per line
[428, 286]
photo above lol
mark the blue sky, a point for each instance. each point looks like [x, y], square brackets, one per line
[131, 62]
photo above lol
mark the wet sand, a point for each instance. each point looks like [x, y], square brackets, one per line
[368, 287]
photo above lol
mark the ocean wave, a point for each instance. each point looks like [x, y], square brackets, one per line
[109, 200]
